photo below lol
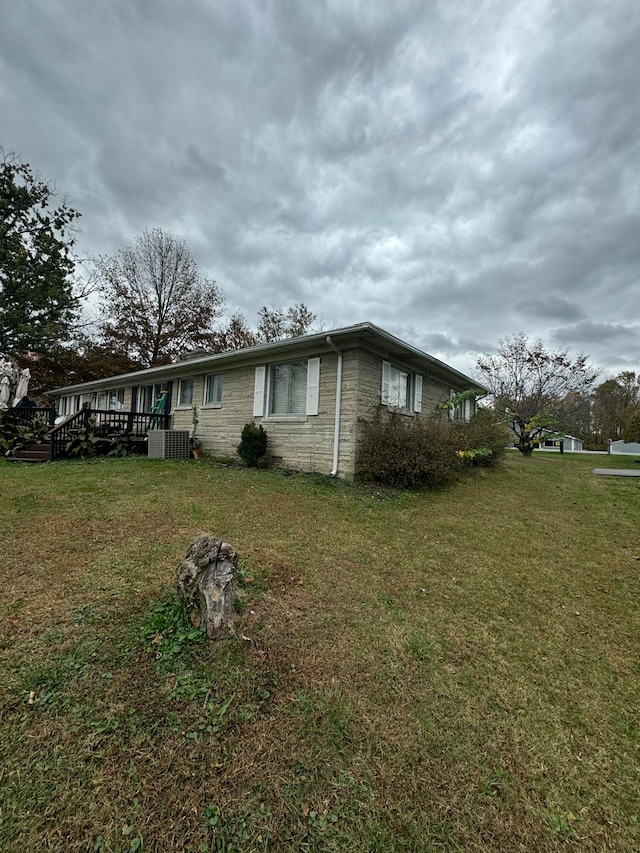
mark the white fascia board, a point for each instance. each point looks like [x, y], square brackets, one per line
[266, 352]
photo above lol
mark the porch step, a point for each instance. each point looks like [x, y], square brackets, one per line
[32, 452]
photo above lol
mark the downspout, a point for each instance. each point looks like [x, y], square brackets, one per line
[336, 428]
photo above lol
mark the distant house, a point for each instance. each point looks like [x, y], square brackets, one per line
[309, 393]
[549, 440]
[569, 443]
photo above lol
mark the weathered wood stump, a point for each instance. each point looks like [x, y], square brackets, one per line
[206, 580]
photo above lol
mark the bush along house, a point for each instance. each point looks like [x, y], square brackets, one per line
[309, 393]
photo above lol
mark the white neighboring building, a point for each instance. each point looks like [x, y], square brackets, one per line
[616, 447]
[570, 444]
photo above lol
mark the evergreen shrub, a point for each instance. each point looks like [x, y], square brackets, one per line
[253, 444]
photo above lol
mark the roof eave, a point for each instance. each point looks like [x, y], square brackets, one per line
[254, 353]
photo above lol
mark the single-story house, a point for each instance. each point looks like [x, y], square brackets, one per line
[309, 393]
[547, 439]
[569, 443]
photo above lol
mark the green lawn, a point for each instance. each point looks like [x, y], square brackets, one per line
[452, 671]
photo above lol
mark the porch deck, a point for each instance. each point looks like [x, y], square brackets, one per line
[108, 426]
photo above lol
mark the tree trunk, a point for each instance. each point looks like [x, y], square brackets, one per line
[206, 581]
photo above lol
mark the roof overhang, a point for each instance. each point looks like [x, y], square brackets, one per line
[350, 336]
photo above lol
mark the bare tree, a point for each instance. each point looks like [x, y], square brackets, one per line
[529, 383]
[274, 324]
[156, 301]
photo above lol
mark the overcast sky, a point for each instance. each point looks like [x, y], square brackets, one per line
[453, 171]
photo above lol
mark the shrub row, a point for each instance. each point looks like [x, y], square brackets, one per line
[407, 452]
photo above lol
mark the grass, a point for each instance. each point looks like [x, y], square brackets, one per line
[452, 671]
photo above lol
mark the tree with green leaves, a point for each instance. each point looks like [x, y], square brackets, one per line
[631, 430]
[37, 303]
[528, 384]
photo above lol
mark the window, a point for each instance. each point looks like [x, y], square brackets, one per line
[288, 389]
[400, 389]
[398, 394]
[116, 399]
[213, 390]
[463, 410]
[148, 396]
[101, 400]
[292, 389]
[185, 394]
[69, 405]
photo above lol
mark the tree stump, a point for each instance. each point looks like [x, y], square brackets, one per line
[206, 581]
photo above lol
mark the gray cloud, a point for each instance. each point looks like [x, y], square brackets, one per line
[454, 173]
[551, 307]
[587, 333]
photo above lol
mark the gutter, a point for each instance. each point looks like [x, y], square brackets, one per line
[256, 354]
[336, 428]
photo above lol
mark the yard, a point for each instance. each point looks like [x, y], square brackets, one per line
[452, 671]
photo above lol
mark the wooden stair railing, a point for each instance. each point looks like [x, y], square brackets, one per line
[63, 432]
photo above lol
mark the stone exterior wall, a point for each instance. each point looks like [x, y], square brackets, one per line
[300, 442]
[369, 393]
[434, 393]
[303, 442]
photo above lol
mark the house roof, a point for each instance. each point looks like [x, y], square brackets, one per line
[366, 334]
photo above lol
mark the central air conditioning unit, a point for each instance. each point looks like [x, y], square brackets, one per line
[169, 444]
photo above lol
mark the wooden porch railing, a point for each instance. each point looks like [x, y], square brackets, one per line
[108, 423]
[27, 414]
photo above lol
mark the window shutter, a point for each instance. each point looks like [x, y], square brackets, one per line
[417, 397]
[313, 385]
[258, 392]
[134, 398]
[169, 388]
[386, 380]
